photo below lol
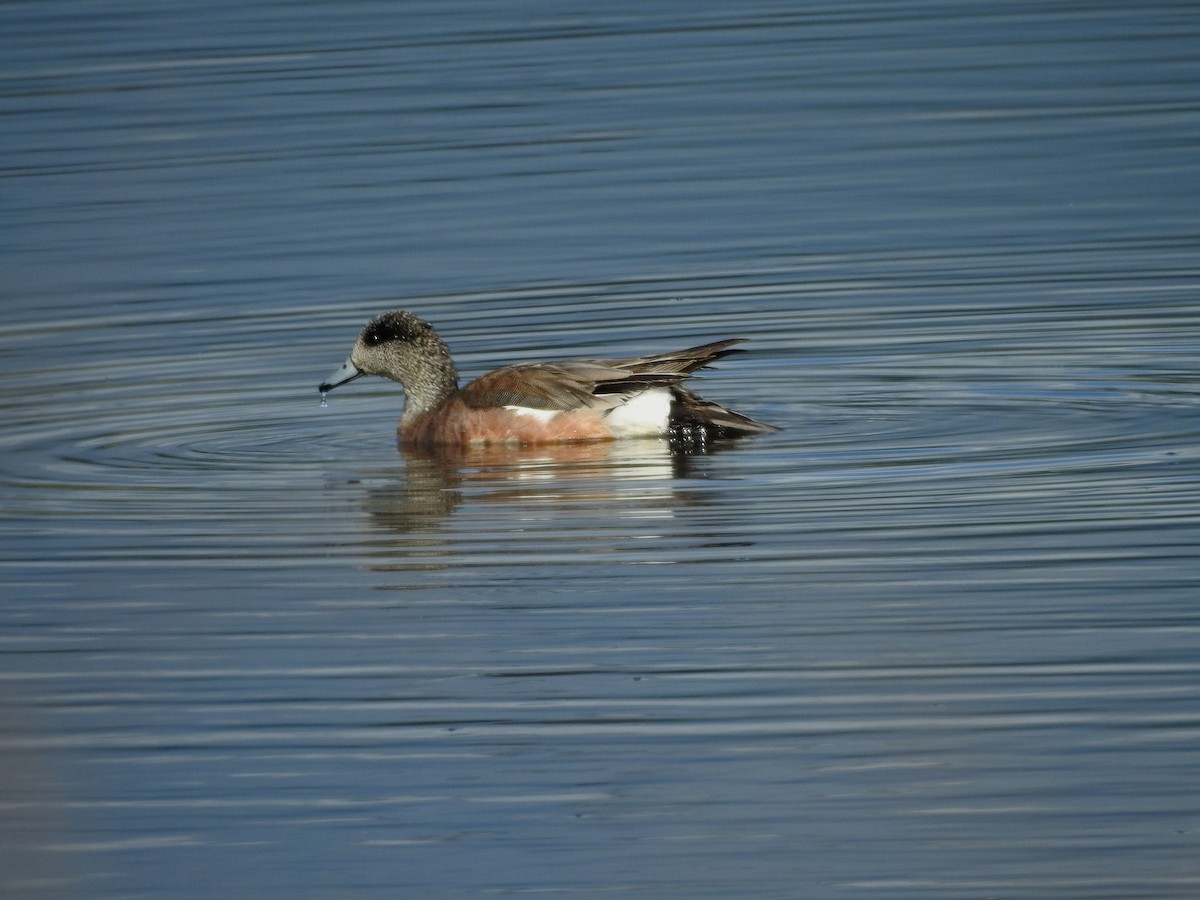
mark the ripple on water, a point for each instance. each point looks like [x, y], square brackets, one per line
[959, 401]
[930, 566]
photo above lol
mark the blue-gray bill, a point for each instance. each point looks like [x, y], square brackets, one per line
[347, 372]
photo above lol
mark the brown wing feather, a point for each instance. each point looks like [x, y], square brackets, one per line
[563, 385]
[584, 383]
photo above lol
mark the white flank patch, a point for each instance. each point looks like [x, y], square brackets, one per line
[642, 415]
[542, 415]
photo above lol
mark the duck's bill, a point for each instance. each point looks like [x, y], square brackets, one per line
[348, 372]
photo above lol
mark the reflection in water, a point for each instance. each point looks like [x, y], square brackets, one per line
[31, 821]
[435, 481]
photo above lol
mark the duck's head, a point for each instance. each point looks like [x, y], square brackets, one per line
[405, 348]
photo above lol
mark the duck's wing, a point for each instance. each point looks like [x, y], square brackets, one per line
[592, 383]
[561, 385]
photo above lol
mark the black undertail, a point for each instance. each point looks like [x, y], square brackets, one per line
[695, 421]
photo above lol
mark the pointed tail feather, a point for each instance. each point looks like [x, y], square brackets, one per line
[697, 420]
[680, 361]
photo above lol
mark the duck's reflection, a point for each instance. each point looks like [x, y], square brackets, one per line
[640, 478]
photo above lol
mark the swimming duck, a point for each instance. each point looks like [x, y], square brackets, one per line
[543, 402]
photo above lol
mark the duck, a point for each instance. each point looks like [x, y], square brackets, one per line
[540, 402]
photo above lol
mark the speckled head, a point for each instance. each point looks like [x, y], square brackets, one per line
[405, 348]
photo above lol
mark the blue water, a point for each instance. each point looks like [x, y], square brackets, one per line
[938, 637]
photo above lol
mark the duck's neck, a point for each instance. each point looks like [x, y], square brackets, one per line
[434, 382]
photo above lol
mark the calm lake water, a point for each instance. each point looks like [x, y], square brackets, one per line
[938, 638]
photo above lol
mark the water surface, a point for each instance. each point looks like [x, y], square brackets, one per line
[936, 638]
